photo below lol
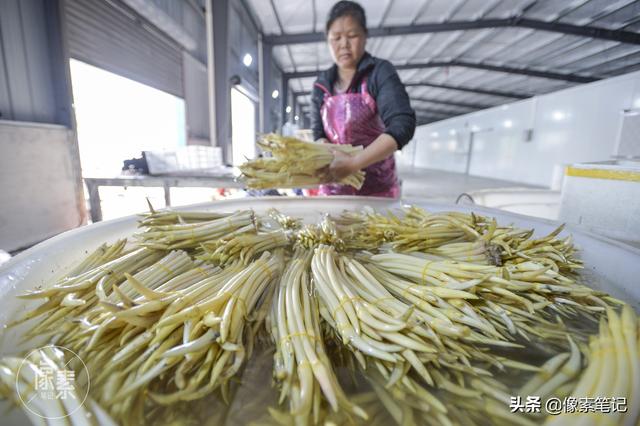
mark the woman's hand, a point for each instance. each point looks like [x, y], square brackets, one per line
[343, 165]
[324, 174]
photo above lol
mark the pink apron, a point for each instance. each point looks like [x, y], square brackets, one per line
[352, 118]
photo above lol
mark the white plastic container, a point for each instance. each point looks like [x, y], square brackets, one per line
[613, 266]
[541, 203]
[604, 197]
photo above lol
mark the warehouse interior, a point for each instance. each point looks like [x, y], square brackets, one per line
[513, 74]
[507, 93]
[192, 230]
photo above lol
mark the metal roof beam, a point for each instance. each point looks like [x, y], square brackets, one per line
[464, 64]
[450, 103]
[314, 37]
[435, 112]
[600, 33]
[477, 91]
[501, 68]
[429, 114]
[439, 113]
[300, 74]
[621, 36]
[421, 99]
[425, 119]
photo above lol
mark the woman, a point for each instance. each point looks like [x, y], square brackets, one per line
[360, 100]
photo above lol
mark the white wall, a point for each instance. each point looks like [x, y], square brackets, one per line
[40, 186]
[573, 125]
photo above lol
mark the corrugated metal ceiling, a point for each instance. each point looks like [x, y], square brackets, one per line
[512, 47]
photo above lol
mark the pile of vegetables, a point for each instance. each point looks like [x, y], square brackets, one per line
[409, 318]
[294, 163]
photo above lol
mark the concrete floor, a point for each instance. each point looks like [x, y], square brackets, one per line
[445, 187]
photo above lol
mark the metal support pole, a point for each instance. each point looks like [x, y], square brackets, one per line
[469, 153]
[219, 86]
[167, 194]
[211, 74]
[266, 82]
[94, 202]
[262, 96]
[294, 110]
[285, 101]
[58, 52]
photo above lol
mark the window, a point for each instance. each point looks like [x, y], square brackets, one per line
[117, 118]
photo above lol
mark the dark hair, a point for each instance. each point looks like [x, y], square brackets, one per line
[347, 8]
